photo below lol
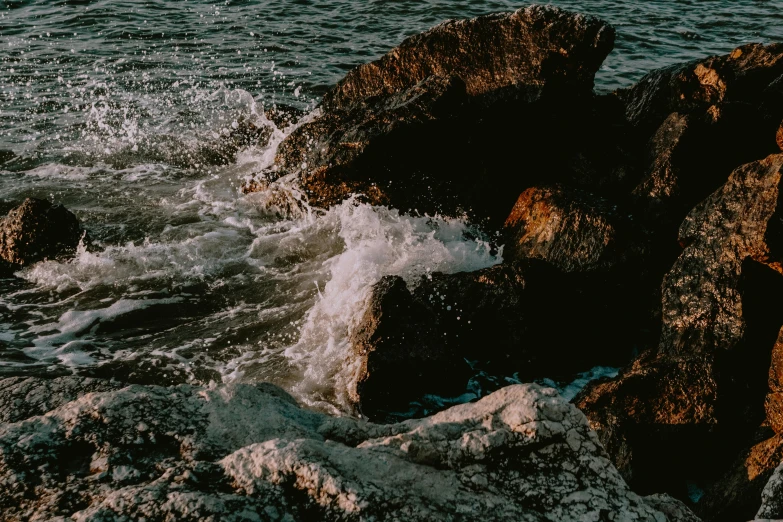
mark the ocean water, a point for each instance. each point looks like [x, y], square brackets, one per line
[116, 110]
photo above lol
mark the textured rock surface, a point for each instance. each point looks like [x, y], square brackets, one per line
[242, 452]
[574, 230]
[390, 129]
[772, 497]
[774, 402]
[37, 230]
[700, 393]
[539, 46]
[503, 320]
[744, 75]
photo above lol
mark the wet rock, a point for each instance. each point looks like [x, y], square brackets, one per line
[37, 230]
[744, 76]
[772, 498]
[432, 127]
[238, 452]
[539, 46]
[574, 230]
[504, 320]
[737, 494]
[700, 393]
[25, 397]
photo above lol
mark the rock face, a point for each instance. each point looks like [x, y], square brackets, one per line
[701, 391]
[240, 452]
[391, 128]
[37, 230]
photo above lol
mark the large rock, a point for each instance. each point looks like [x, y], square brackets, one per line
[746, 75]
[239, 452]
[538, 46]
[37, 230]
[772, 498]
[504, 320]
[688, 404]
[440, 124]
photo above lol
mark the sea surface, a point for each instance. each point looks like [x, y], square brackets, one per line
[116, 108]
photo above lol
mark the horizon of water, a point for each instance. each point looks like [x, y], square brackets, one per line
[115, 109]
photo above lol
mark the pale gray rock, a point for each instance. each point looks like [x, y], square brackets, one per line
[244, 452]
[772, 498]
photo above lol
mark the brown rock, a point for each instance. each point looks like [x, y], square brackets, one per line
[37, 230]
[740, 76]
[700, 392]
[433, 127]
[539, 46]
[779, 136]
[572, 229]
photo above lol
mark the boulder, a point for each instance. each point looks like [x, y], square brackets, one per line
[504, 321]
[239, 452]
[540, 46]
[772, 498]
[746, 75]
[574, 230]
[684, 407]
[440, 123]
[779, 136]
[38, 230]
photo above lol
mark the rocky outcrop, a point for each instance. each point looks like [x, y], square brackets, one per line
[239, 452]
[700, 393]
[37, 230]
[390, 129]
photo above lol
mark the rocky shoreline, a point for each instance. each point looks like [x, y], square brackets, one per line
[640, 229]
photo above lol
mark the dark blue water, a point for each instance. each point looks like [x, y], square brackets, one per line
[108, 106]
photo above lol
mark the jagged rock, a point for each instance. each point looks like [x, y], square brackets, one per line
[37, 230]
[572, 229]
[539, 46]
[772, 498]
[737, 494]
[773, 405]
[671, 507]
[779, 137]
[25, 397]
[686, 405]
[391, 128]
[502, 320]
[239, 452]
[744, 75]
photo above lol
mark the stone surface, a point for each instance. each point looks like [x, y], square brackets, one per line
[505, 320]
[243, 452]
[574, 230]
[741, 76]
[541, 46]
[389, 131]
[773, 405]
[687, 405]
[37, 230]
[772, 498]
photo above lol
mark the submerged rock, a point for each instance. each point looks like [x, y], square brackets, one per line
[440, 123]
[37, 230]
[699, 395]
[239, 452]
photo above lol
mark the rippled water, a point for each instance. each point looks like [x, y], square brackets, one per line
[114, 108]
